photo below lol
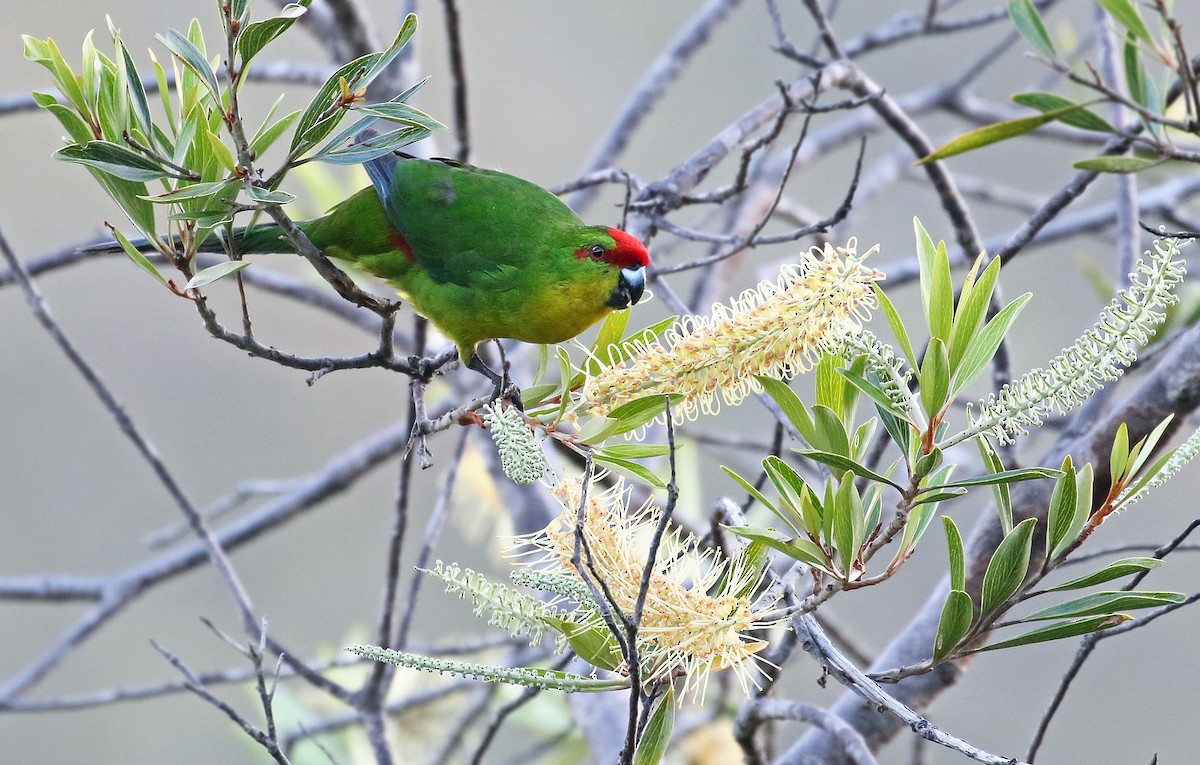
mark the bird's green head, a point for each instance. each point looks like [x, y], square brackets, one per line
[617, 251]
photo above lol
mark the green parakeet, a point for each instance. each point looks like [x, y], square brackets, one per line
[480, 253]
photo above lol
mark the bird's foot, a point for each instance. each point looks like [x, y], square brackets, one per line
[503, 386]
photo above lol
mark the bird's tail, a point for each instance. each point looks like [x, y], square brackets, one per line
[250, 240]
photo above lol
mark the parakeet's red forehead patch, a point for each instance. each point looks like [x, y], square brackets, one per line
[629, 252]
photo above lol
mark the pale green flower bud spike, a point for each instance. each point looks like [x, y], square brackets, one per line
[521, 456]
[1100, 355]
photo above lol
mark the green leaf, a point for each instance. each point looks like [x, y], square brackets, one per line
[1103, 603]
[937, 294]
[323, 114]
[357, 153]
[136, 91]
[830, 387]
[983, 347]
[359, 125]
[1008, 566]
[597, 429]
[46, 53]
[897, 325]
[800, 548]
[876, 394]
[1119, 454]
[1028, 21]
[843, 464]
[213, 273]
[1083, 118]
[113, 159]
[1004, 476]
[595, 645]
[749, 487]
[1127, 15]
[657, 734]
[935, 378]
[790, 404]
[993, 464]
[269, 197]
[187, 52]
[1083, 509]
[791, 488]
[1114, 570]
[76, 128]
[1122, 165]
[533, 395]
[254, 37]
[971, 312]
[954, 547]
[610, 333]
[268, 134]
[1062, 506]
[632, 470]
[405, 115]
[137, 257]
[195, 191]
[829, 431]
[636, 413]
[1000, 131]
[633, 451]
[921, 516]
[221, 153]
[1061, 630]
[957, 614]
[1140, 89]
[1146, 446]
[848, 523]
[939, 496]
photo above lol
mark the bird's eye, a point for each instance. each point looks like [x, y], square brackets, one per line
[597, 252]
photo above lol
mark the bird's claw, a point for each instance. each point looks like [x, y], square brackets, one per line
[503, 387]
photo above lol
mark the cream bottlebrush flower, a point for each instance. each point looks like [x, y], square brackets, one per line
[777, 329]
[693, 621]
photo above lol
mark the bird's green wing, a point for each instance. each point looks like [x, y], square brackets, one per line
[475, 227]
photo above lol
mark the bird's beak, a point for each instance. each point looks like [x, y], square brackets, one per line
[630, 285]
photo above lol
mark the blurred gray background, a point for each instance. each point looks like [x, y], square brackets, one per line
[546, 80]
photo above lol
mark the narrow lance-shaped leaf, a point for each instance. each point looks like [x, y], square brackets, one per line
[845, 463]
[971, 312]
[991, 461]
[254, 37]
[1062, 506]
[1128, 16]
[1101, 603]
[749, 487]
[215, 272]
[193, 59]
[1028, 21]
[1008, 566]
[1004, 476]
[1114, 570]
[984, 345]
[790, 404]
[957, 614]
[113, 159]
[1083, 509]
[800, 549]
[1000, 131]
[1061, 630]
[897, 325]
[957, 559]
[657, 733]
[1083, 118]
[935, 378]
[136, 256]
